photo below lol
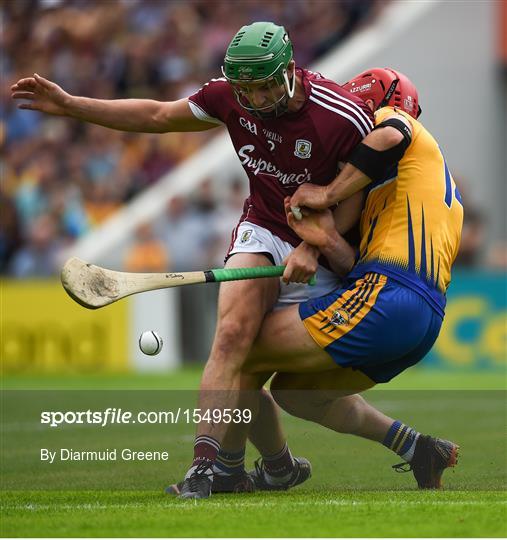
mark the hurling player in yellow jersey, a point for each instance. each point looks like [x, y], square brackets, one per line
[389, 312]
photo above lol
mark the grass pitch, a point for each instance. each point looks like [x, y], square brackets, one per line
[301, 513]
[353, 491]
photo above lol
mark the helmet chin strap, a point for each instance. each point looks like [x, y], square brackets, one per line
[389, 93]
[290, 90]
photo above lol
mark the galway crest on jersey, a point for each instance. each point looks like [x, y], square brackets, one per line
[303, 149]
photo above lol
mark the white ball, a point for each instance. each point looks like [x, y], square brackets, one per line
[296, 211]
[150, 342]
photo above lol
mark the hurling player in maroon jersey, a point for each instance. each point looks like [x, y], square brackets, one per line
[288, 126]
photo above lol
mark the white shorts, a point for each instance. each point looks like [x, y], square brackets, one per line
[255, 239]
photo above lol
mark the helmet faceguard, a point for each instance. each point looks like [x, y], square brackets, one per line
[386, 87]
[258, 57]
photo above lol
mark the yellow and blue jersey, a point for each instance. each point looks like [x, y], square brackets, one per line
[390, 312]
[412, 219]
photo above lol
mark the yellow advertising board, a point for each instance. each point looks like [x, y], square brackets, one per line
[43, 330]
[474, 332]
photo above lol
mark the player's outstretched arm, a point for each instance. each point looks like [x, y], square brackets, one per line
[139, 115]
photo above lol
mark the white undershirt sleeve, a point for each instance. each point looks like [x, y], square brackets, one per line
[201, 114]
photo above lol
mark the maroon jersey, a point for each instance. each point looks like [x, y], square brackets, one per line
[279, 154]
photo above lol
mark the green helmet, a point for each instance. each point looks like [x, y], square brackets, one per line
[258, 51]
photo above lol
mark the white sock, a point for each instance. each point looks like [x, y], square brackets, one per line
[409, 454]
[190, 471]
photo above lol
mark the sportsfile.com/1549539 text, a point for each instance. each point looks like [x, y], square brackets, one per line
[113, 415]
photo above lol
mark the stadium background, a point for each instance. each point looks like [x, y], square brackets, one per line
[143, 202]
[153, 202]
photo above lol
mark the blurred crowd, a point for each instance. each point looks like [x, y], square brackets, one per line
[60, 177]
[193, 234]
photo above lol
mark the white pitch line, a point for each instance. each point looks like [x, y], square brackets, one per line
[244, 504]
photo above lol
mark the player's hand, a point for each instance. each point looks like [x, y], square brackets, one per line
[311, 196]
[301, 264]
[41, 94]
[316, 228]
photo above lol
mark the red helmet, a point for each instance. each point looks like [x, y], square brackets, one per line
[384, 86]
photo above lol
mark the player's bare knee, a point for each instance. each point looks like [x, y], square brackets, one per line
[233, 339]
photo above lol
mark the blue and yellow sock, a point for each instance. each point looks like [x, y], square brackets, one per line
[402, 440]
[229, 463]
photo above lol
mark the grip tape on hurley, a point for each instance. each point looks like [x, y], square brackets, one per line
[233, 274]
